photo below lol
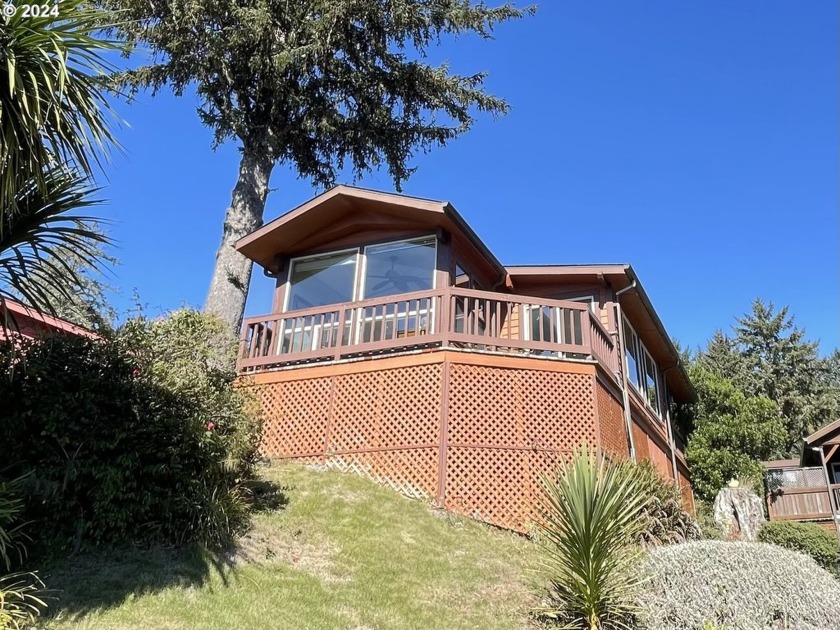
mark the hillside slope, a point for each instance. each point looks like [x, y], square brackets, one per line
[342, 553]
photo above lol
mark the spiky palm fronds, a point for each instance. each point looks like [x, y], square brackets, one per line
[53, 106]
[41, 234]
[588, 542]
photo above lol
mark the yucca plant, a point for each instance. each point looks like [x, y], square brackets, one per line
[588, 540]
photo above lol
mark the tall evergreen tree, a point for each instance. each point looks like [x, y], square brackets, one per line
[316, 84]
[768, 355]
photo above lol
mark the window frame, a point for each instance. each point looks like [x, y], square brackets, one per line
[363, 269]
[642, 356]
[292, 261]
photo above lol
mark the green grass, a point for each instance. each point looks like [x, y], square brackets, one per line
[343, 553]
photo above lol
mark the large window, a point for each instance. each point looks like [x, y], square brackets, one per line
[642, 371]
[389, 269]
[322, 280]
[402, 267]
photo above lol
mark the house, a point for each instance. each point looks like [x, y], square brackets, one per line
[28, 323]
[400, 347]
[807, 489]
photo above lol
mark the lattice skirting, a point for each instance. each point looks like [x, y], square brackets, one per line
[472, 433]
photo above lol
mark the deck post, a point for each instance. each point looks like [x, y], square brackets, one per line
[444, 434]
[831, 502]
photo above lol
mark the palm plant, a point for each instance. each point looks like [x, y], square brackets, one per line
[53, 85]
[54, 130]
[588, 542]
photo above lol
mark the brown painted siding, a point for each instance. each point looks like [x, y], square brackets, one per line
[613, 434]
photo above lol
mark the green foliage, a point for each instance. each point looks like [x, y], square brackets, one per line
[317, 83]
[807, 538]
[733, 434]
[664, 520]
[20, 600]
[53, 101]
[768, 355]
[20, 603]
[54, 128]
[133, 436]
[40, 238]
[588, 542]
[748, 586]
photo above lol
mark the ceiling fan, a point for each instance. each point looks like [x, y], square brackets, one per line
[400, 281]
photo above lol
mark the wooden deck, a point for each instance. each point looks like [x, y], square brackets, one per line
[800, 494]
[443, 318]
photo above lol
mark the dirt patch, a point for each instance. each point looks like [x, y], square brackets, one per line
[271, 546]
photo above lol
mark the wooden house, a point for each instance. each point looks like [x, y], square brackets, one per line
[400, 347]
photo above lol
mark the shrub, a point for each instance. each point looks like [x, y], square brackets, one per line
[20, 603]
[664, 521]
[139, 435]
[588, 542]
[807, 538]
[749, 586]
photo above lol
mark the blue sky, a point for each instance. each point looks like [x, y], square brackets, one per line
[697, 141]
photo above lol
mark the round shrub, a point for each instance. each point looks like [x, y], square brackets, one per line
[749, 586]
[807, 538]
[140, 435]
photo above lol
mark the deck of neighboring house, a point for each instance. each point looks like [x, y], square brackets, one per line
[807, 489]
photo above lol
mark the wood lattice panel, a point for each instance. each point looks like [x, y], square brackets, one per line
[499, 486]
[611, 421]
[507, 428]
[687, 493]
[295, 417]
[394, 408]
[498, 407]
[413, 472]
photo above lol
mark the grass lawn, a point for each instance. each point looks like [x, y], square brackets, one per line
[342, 553]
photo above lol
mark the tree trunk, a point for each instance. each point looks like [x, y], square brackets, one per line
[229, 287]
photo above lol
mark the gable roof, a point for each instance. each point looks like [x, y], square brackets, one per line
[824, 434]
[343, 210]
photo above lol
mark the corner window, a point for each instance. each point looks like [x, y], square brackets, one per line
[642, 372]
[403, 267]
[320, 280]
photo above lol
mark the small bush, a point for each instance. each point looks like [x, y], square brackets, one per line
[664, 520]
[807, 538]
[749, 586]
[139, 435]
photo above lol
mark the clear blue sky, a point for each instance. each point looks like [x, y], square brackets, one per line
[697, 141]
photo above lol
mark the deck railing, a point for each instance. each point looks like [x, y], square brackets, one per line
[800, 494]
[449, 317]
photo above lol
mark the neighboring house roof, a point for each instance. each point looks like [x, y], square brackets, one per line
[781, 463]
[824, 435]
[30, 323]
